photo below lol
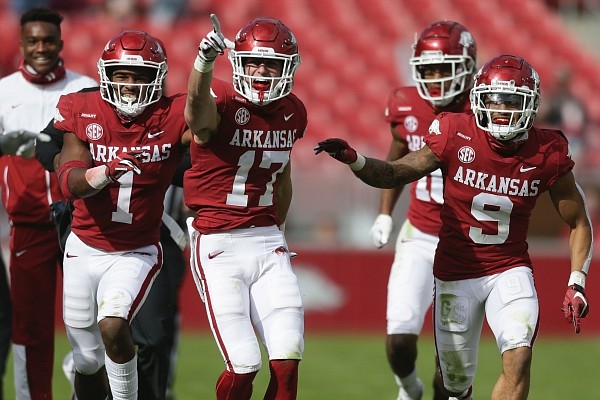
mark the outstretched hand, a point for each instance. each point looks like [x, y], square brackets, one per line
[21, 143]
[575, 306]
[124, 162]
[338, 149]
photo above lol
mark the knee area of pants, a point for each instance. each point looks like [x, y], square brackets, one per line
[116, 302]
[245, 359]
[246, 368]
[457, 383]
[287, 345]
[513, 337]
[88, 365]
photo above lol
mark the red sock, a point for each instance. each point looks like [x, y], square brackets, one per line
[232, 386]
[284, 380]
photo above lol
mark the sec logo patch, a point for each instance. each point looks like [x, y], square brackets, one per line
[94, 131]
[242, 116]
[466, 154]
[411, 123]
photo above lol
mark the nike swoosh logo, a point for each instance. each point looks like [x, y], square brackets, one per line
[15, 105]
[216, 253]
[20, 253]
[70, 256]
[153, 135]
[523, 169]
[287, 117]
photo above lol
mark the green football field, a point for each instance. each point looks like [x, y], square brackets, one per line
[353, 367]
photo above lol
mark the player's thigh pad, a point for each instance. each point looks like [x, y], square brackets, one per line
[80, 282]
[410, 285]
[512, 309]
[459, 313]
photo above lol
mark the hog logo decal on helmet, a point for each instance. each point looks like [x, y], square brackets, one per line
[132, 48]
[450, 44]
[269, 39]
[508, 80]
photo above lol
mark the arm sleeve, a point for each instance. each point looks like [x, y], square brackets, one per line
[183, 166]
[46, 151]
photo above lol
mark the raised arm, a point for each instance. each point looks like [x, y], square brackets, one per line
[378, 173]
[200, 109]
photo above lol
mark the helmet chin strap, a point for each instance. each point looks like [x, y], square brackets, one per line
[128, 112]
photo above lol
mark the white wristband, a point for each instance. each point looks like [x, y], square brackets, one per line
[97, 177]
[203, 66]
[358, 164]
[577, 278]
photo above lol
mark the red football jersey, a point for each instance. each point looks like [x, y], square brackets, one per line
[232, 180]
[411, 116]
[488, 197]
[124, 215]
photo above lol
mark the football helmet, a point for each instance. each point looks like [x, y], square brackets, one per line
[268, 39]
[132, 48]
[450, 44]
[513, 82]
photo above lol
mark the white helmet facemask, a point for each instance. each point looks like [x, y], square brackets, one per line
[462, 69]
[261, 90]
[504, 124]
[128, 105]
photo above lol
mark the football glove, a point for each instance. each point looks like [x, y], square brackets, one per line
[575, 306]
[214, 43]
[381, 229]
[124, 162]
[21, 143]
[338, 149]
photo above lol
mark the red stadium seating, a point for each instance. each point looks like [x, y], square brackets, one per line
[353, 52]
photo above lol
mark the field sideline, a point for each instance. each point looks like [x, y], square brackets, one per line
[353, 367]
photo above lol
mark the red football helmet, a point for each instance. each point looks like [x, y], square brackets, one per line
[132, 48]
[450, 44]
[510, 81]
[265, 38]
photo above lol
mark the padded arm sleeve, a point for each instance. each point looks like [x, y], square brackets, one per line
[46, 151]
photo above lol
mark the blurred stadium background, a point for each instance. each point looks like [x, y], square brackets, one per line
[354, 52]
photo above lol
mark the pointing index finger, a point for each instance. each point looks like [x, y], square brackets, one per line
[215, 22]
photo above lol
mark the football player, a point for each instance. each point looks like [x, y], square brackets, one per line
[443, 66]
[240, 189]
[122, 144]
[495, 165]
[28, 100]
